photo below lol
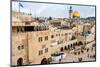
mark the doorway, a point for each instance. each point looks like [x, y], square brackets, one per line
[44, 61]
[20, 62]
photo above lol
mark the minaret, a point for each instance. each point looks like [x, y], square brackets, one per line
[70, 12]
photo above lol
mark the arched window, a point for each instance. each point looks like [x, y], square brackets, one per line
[65, 48]
[18, 47]
[22, 46]
[61, 49]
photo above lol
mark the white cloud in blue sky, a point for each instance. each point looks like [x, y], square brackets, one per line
[54, 10]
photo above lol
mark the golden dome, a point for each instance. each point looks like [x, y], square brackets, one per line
[75, 14]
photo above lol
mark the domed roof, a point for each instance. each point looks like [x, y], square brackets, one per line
[75, 14]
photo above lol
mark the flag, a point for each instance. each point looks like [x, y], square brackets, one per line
[21, 5]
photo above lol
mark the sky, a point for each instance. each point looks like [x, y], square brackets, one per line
[53, 10]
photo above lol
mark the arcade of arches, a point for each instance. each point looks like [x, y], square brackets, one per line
[71, 46]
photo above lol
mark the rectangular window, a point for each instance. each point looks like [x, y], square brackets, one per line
[40, 52]
[52, 36]
[40, 39]
[46, 50]
[46, 37]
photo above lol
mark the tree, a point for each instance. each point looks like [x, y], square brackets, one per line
[50, 18]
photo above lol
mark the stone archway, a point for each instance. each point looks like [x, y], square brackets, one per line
[20, 61]
[80, 43]
[71, 45]
[65, 48]
[76, 43]
[61, 49]
[44, 61]
[68, 46]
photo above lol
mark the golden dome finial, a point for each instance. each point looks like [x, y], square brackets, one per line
[75, 14]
